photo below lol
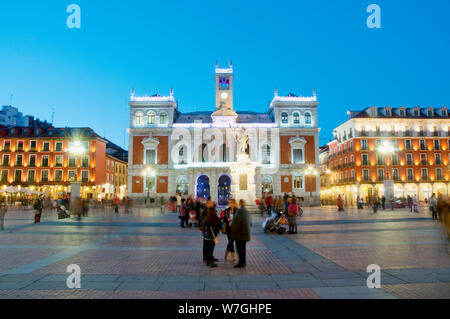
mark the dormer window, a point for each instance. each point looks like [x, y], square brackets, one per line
[388, 112]
[151, 118]
[284, 118]
[430, 112]
[444, 113]
[139, 119]
[402, 112]
[163, 118]
[296, 118]
[308, 119]
[416, 112]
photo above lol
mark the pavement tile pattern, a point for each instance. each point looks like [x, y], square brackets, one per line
[147, 255]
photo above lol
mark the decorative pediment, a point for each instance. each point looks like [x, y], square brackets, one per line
[150, 142]
[297, 141]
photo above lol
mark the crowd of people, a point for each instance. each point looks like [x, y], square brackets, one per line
[233, 221]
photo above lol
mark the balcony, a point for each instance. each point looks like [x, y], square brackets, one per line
[438, 162]
[380, 178]
[410, 163]
[424, 177]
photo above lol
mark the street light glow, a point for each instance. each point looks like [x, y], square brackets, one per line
[76, 148]
[386, 148]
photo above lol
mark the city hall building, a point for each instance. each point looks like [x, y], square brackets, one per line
[223, 153]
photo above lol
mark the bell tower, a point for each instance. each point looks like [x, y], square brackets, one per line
[224, 94]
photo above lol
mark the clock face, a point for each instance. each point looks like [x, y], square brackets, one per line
[224, 96]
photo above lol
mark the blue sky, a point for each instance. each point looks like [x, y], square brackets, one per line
[86, 75]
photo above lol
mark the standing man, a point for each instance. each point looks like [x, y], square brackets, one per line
[383, 202]
[38, 206]
[3, 209]
[240, 232]
[433, 206]
[269, 204]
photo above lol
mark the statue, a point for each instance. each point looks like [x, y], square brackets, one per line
[242, 140]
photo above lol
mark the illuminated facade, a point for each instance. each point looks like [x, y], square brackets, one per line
[39, 158]
[198, 153]
[418, 164]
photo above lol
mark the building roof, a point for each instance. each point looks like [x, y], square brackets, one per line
[48, 131]
[395, 113]
[116, 151]
[205, 117]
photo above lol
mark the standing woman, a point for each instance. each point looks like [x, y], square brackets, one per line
[292, 216]
[211, 228]
[227, 221]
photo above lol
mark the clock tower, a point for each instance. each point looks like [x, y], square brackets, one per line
[224, 95]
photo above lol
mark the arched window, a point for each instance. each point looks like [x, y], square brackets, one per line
[296, 118]
[139, 118]
[182, 185]
[308, 120]
[151, 118]
[163, 118]
[284, 118]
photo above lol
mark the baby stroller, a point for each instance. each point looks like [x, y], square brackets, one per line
[275, 223]
[62, 212]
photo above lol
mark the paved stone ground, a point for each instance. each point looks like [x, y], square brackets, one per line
[147, 255]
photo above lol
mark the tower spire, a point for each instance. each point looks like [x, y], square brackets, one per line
[276, 92]
[132, 94]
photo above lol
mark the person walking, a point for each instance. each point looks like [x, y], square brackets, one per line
[340, 204]
[3, 209]
[211, 228]
[116, 204]
[227, 219]
[240, 232]
[292, 216]
[383, 202]
[183, 213]
[269, 204]
[375, 204]
[433, 202]
[38, 206]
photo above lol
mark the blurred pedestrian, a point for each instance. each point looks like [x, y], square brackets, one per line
[116, 204]
[227, 220]
[269, 204]
[433, 206]
[340, 203]
[38, 206]
[211, 228]
[3, 209]
[240, 232]
[292, 216]
[383, 202]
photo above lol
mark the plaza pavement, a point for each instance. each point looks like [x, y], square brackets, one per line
[147, 255]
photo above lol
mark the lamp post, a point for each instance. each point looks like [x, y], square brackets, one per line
[387, 149]
[310, 172]
[148, 172]
[76, 149]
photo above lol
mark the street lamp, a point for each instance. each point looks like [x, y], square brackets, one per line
[387, 149]
[149, 172]
[310, 172]
[76, 149]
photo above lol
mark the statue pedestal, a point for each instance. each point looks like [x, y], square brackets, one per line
[243, 179]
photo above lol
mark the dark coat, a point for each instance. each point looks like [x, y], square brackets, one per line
[240, 226]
